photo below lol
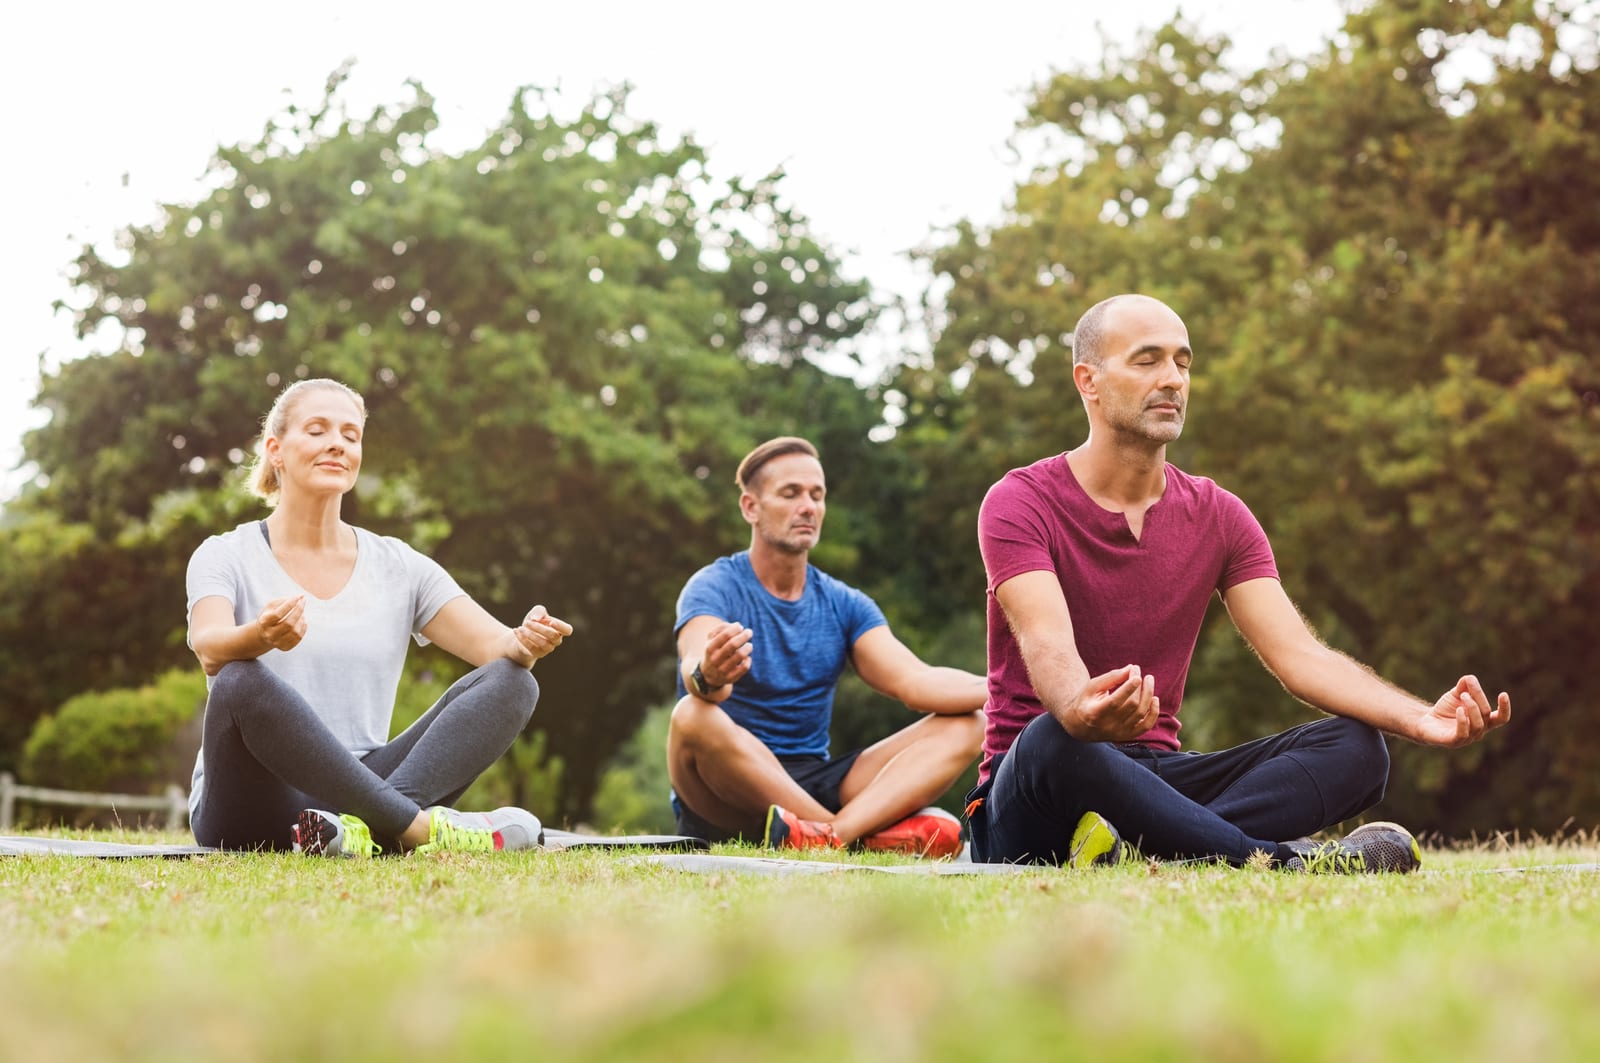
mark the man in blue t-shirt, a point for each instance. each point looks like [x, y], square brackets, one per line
[763, 637]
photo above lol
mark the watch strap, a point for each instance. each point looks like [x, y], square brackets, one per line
[697, 682]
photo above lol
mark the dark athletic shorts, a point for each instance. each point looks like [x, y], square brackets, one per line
[817, 776]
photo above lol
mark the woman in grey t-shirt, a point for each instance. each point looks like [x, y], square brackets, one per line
[301, 623]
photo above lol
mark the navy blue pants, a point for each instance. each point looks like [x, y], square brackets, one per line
[1226, 805]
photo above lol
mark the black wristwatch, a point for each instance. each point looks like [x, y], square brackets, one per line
[697, 683]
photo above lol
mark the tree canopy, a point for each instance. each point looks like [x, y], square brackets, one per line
[566, 336]
[1391, 298]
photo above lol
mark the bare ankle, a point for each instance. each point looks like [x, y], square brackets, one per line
[416, 834]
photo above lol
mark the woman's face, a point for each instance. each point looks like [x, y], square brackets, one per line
[320, 450]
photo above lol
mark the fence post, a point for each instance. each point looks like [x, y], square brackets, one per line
[8, 800]
[177, 806]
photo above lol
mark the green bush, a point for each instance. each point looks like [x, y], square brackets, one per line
[633, 792]
[424, 682]
[527, 776]
[129, 740]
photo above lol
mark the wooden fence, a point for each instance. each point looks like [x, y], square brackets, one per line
[175, 803]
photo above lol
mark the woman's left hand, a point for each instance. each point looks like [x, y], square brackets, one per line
[539, 634]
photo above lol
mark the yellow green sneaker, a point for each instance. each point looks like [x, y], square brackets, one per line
[1096, 843]
[319, 833]
[503, 829]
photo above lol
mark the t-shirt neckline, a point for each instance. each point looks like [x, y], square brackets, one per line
[1116, 520]
[750, 570]
[355, 570]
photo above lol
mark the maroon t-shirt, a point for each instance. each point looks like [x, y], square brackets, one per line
[1133, 600]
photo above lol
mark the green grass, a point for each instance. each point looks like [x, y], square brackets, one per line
[584, 955]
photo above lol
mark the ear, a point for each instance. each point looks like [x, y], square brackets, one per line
[1083, 375]
[747, 507]
[270, 447]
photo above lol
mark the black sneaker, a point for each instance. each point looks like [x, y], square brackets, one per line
[1371, 848]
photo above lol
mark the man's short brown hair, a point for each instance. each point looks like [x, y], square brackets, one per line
[749, 469]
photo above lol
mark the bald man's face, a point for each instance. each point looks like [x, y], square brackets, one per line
[1141, 386]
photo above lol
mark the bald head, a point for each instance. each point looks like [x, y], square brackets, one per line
[1098, 322]
[1131, 362]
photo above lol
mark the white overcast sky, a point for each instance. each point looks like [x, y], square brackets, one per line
[891, 119]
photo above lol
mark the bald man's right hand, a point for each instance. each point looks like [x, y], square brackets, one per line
[1118, 706]
[727, 654]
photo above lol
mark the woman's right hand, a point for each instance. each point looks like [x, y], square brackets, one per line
[538, 636]
[282, 622]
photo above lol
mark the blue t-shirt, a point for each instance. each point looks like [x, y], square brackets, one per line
[800, 648]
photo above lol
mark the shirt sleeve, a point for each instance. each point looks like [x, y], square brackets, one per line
[213, 572]
[1249, 553]
[1012, 536]
[703, 595]
[431, 589]
[862, 614]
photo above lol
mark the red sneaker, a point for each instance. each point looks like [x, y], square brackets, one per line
[785, 830]
[933, 832]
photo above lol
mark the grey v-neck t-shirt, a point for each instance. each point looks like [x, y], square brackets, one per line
[348, 665]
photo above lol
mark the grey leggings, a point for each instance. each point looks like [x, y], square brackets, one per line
[268, 755]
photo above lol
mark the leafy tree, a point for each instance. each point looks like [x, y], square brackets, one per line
[1392, 300]
[81, 611]
[566, 336]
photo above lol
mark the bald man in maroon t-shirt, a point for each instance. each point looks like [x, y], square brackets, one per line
[1101, 563]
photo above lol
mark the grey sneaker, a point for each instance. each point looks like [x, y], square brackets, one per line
[481, 832]
[1371, 848]
[319, 833]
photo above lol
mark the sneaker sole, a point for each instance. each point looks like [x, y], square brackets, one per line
[1095, 842]
[315, 835]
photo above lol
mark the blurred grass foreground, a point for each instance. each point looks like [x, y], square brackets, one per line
[596, 956]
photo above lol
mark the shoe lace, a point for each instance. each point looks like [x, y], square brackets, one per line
[824, 833]
[444, 833]
[357, 837]
[1333, 858]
